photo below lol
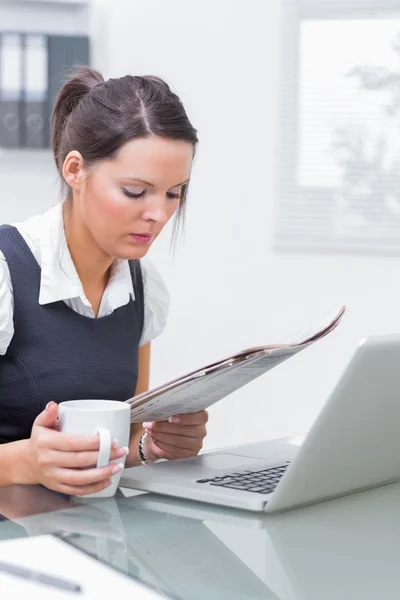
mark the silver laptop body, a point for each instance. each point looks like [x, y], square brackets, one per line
[353, 445]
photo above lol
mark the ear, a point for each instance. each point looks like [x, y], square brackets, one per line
[74, 170]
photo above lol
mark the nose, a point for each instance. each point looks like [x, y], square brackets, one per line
[156, 210]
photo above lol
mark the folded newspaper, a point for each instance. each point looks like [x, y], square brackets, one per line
[203, 387]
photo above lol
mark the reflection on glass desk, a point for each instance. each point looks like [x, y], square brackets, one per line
[345, 549]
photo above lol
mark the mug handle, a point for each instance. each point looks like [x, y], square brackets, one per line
[105, 447]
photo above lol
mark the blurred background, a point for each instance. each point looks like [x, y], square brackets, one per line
[294, 205]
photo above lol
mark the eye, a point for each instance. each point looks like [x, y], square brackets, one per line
[132, 194]
[173, 196]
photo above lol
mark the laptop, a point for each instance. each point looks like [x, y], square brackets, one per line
[353, 445]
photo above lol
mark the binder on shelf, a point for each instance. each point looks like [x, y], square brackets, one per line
[64, 52]
[35, 91]
[32, 69]
[10, 90]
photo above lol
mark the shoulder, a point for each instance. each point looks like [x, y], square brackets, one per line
[152, 280]
[156, 301]
[35, 228]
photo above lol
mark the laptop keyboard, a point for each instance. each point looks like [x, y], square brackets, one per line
[260, 482]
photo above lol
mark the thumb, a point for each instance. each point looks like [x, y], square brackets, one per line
[49, 417]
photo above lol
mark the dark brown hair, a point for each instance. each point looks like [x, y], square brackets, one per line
[97, 117]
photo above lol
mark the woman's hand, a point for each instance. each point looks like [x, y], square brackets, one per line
[62, 461]
[179, 437]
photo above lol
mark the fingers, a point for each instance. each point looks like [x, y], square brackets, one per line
[193, 431]
[180, 437]
[200, 418]
[163, 450]
[86, 477]
[78, 459]
[83, 490]
[49, 417]
[66, 442]
[178, 441]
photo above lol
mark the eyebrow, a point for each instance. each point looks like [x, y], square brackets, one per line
[137, 180]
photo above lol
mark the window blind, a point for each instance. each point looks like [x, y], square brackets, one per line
[339, 150]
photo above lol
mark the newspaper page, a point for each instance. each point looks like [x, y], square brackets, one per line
[204, 387]
[202, 392]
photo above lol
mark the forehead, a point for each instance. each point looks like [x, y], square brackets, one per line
[157, 160]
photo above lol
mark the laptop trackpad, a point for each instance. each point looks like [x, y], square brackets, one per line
[220, 461]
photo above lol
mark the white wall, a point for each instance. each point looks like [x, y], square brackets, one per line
[28, 184]
[229, 289]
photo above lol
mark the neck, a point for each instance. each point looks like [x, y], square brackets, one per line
[91, 263]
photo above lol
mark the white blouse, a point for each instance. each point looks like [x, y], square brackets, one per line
[45, 237]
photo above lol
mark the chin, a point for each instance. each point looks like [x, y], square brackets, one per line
[132, 253]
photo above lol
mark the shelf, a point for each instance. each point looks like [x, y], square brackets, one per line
[47, 2]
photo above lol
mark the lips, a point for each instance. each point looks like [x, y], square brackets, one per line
[142, 238]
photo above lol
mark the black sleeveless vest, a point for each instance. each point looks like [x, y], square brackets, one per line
[57, 354]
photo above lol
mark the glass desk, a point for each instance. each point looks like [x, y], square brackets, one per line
[345, 549]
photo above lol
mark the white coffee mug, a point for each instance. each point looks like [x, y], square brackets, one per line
[109, 419]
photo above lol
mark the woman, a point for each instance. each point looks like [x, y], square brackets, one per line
[77, 309]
